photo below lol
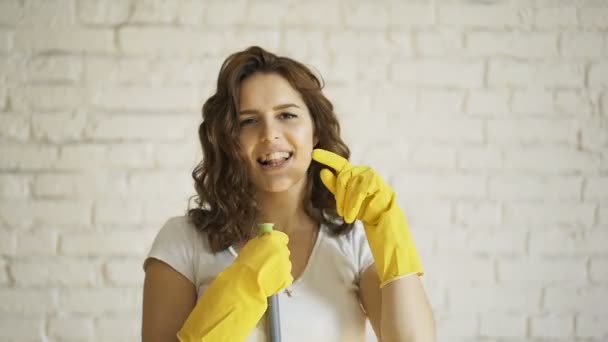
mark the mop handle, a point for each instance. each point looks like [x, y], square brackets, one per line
[272, 313]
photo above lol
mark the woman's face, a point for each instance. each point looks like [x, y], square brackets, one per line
[276, 132]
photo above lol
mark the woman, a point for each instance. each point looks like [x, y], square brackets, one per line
[341, 250]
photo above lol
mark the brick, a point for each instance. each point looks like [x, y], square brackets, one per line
[14, 127]
[143, 41]
[487, 102]
[480, 271]
[326, 14]
[530, 187]
[43, 97]
[139, 98]
[591, 326]
[151, 72]
[442, 129]
[573, 103]
[552, 326]
[603, 214]
[596, 188]
[7, 246]
[53, 69]
[532, 131]
[269, 39]
[59, 127]
[124, 272]
[4, 279]
[225, 13]
[512, 299]
[154, 11]
[443, 185]
[345, 42]
[401, 42]
[45, 212]
[51, 13]
[177, 155]
[598, 271]
[64, 40]
[598, 75]
[11, 12]
[548, 74]
[438, 73]
[432, 157]
[304, 43]
[71, 328]
[495, 241]
[418, 211]
[92, 156]
[479, 16]
[17, 301]
[479, 158]
[38, 242]
[477, 213]
[27, 157]
[550, 159]
[3, 96]
[117, 213]
[582, 44]
[439, 43]
[452, 326]
[118, 243]
[103, 13]
[442, 102]
[590, 300]
[161, 183]
[138, 127]
[407, 15]
[503, 325]
[531, 272]
[6, 41]
[550, 213]
[266, 14]
[394, 100]
[20, 328]
[520, 45]
[594, 17]
[191, 12]
[99, 301]
[365, 15]
[569, 242]
[55, 272]
[116, 327]
[555, 17]
[156, 212]
[81, 185]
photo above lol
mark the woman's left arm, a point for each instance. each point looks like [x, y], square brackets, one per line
[400, 311]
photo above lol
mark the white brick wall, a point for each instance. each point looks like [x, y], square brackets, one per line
[490, 119]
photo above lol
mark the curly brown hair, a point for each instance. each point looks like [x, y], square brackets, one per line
[226, 204]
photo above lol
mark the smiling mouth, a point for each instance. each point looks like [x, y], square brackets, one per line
[275, 159]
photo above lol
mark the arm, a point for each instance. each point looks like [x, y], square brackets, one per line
[400, 310]
[168, 299]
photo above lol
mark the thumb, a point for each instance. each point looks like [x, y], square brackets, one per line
[329, 180]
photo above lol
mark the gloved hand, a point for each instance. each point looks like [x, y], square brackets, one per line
[362, 194]
[237, 298]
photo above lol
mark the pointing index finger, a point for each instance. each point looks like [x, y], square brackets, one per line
[335, 161]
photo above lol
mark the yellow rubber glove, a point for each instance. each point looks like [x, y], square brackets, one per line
[237, 298]
[362, 194]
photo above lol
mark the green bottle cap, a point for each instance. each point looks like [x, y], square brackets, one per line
[265, 228]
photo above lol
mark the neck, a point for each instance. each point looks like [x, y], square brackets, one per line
[284, 209]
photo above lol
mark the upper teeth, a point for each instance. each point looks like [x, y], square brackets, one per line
[275, 155]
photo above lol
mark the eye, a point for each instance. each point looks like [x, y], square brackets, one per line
[247, 122]
[287, 115]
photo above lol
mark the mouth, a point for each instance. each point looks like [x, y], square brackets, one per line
[274, 159]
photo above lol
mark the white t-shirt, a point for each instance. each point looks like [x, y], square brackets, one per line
[324, 303]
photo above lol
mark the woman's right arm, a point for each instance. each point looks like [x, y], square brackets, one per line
[169, 297]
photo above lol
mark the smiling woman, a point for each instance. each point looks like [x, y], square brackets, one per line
[273, 153]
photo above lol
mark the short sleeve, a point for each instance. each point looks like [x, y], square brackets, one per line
[362, 252]
[174, 245]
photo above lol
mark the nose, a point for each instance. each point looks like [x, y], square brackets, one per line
[270, 131]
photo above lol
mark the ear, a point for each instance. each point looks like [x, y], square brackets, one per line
[315, 141]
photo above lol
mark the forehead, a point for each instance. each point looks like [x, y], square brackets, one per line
[262, 90]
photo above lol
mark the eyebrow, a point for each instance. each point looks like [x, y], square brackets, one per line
[279, 107]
